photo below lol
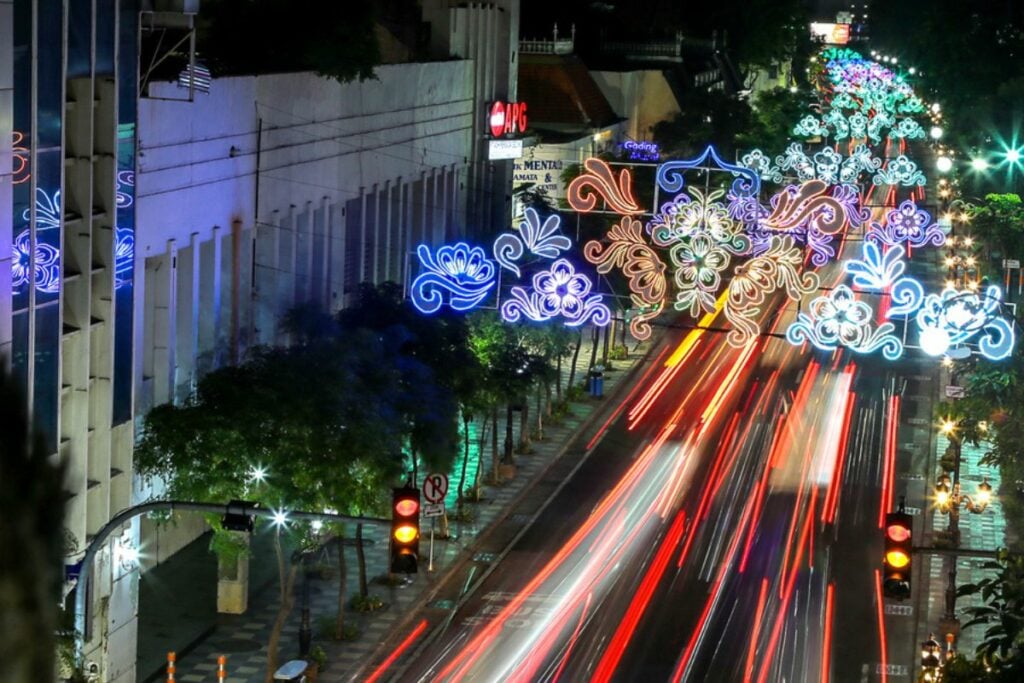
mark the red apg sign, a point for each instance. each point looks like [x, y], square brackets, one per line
[507, 118]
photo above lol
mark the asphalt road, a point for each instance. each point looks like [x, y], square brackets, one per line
[725, 526]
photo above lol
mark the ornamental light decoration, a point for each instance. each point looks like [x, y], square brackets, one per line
[560, 291]
[541, 239]
[952, 318]
[457, 275]
[907, 224]
[838, 319]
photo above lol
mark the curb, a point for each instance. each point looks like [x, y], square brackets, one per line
[468, 551]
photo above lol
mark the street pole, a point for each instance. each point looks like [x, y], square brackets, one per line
[128, 514]
[305, 631]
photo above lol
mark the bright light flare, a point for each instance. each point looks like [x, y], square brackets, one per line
[279, 518]
[979, 164]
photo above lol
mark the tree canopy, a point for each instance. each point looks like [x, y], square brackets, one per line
[334, 39]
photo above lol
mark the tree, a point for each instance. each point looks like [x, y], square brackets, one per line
[335, 39]
[707, 118]
[31, 532]
[308, 428]
[774, 113]
[1003, 613]
[999, 223]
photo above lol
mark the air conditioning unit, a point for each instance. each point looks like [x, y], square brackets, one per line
[180, 6]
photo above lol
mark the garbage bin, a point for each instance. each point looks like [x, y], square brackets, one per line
[293, 671]
[597, 381]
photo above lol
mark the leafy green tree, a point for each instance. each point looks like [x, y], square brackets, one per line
[308, 428]
[1003, 614]
[335, 39]
[999, 223]
[774, 114]
[707, 118]
[31, 533]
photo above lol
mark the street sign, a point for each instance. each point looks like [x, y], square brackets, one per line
[1011, 263]
[435, 488]
[433, 510]
[953, 391]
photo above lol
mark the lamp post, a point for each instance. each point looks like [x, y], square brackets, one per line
[931, 659]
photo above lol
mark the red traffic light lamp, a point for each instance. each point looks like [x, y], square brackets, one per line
[897, 560]
[405, 530]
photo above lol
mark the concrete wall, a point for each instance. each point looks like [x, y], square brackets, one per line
[276, 190]
[642, 97]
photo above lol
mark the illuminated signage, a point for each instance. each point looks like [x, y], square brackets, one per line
[640, 150]
[504, 149]
[834, 34]
[507, 118]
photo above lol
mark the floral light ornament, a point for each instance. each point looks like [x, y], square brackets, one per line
[560, 291]
[900, 171]
[628, 251]
[47, 264]
[907, 224]
[952, 318]
[883, 272]
[838, 319]
[542, 239]
[778, 267]
[459, 275]
[699, 263]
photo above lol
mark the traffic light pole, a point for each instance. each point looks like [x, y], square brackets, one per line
[128, 514]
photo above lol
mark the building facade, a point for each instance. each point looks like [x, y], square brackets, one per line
[67, 122]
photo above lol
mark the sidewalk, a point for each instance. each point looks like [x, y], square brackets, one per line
[981, 531]
[185, 618]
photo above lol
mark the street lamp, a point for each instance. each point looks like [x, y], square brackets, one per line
[943, 164]
[931, 659]
[936, 132]
[1013, 155]
[979, 164]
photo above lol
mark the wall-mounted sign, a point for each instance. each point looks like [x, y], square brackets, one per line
[641, 150]
[506, 119]
[504, 149]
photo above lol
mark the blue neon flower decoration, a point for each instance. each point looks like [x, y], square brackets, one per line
[47, 264]
[463, 272]
[124, 256]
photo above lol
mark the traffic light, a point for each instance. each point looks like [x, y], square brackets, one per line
[405, 529]
[897, 561]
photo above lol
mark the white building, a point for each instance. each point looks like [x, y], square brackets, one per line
[276, 190]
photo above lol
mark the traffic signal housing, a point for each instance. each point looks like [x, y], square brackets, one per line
[898, 553]
[405, 530]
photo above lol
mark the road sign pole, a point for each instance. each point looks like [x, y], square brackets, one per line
[430, 564]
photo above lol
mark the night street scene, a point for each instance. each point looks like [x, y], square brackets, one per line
[401, 341]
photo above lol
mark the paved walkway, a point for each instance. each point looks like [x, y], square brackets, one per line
[982, 531]
[201, 635]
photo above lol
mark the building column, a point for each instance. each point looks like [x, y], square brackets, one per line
[387, 229]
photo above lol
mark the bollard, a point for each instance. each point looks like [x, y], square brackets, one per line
[171, 657]
[221, 670]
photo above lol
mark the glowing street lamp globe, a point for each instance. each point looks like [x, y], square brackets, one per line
[979, 164]
[936, 132]
[1013, 155]
[934, 341]
[944, 164]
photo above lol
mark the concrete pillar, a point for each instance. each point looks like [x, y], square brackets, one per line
[389, 201]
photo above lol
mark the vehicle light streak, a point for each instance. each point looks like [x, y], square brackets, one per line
[622, 404]
[889, 458]
[762, 598]
[631, 499]
[572, 639]
[881, 627]
[716, 593]
[828, 510]
[402, 647]
[790, 585]
[826, 648]
[617, 646]
[695, 334]
[648, 399]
